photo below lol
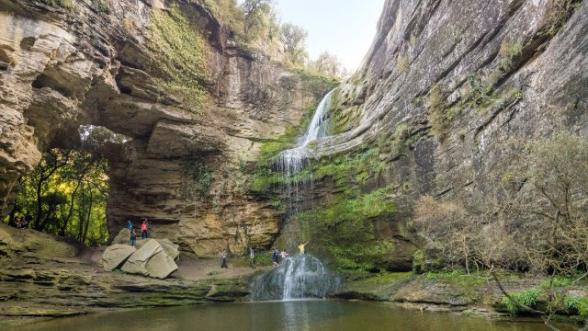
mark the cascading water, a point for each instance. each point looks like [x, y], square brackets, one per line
[303, 275]
[298, 277]
[292, 161]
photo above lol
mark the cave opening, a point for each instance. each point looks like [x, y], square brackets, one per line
[67, 193]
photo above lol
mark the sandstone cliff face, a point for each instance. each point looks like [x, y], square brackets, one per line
[460, 77]
[446, 85]
[186, 162]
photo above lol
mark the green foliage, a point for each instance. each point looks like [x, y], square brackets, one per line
[418, 262]
[59, 3]
[577, 305]
[557, 282]
[403, 63]
[293, 39]
[527, 298]
[509, 51]
[101, 6]
[227, 12]
[181, 55]
[198, 178]
[327, 65]
[65, 195]
[345, 229]
[439, 118]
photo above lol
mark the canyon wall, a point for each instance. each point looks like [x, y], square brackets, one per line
[443, 93]
[194, 104]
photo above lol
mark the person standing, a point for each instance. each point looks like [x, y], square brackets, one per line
[252, 257]
[130, 225]
[224, 256]
[133, 239]
[144, 229]
[275, 257]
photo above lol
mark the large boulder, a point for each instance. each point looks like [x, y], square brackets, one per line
[171, 249]
[123, 237]
[151, 259]
[114, 256]
[136, 262]
[160, 265]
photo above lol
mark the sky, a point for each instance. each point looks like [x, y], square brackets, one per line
[345, 28]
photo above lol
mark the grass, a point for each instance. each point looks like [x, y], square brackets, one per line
[459, 278]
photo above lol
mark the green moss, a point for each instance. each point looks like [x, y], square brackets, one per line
[344, 229]
[459, 278]
[180, 51]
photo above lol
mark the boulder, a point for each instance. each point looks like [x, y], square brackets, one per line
[136, 263]
[114, 256]
[123, 237]
[171, 249]
[160, 265]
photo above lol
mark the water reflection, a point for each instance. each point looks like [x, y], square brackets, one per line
[283, 316]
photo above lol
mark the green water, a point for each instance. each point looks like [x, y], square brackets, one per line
[282, 316]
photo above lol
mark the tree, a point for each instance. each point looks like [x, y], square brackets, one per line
[536, 219]
[327, 64]
[258, 15]
[293, 40]
[66, 195]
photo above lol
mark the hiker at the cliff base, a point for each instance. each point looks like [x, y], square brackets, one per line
[130, 225]
[283, 255]
[252, 257]
[144, 229]
[133, 239]
[301, 247]
[224, 255]
[275, 257]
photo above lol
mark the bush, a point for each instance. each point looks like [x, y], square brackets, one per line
[576, 305]
[527, 298]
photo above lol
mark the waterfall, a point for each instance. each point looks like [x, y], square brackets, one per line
[303, 275]
[298, 277]
[292, 161]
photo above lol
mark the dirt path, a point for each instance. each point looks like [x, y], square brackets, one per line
[191, 268]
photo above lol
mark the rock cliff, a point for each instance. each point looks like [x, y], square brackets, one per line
[194, 104]
[444, 88]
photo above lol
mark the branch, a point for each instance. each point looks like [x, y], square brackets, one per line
[546, 320]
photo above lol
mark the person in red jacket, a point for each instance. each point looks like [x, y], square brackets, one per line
[144, 229]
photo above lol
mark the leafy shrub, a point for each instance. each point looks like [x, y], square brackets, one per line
[527, 298]
[577, 305]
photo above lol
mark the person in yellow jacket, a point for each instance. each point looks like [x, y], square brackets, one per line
[301, 247]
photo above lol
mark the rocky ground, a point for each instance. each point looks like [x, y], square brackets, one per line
[41, 278]
[456, 292]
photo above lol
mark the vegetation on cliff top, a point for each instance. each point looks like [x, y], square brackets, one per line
[181, 55]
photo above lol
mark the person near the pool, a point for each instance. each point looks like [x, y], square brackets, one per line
[301, 247]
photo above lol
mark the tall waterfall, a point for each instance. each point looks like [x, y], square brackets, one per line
[303, 275]
[300, 276]
[293, 160]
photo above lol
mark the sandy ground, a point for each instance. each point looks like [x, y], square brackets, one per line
[191, 268]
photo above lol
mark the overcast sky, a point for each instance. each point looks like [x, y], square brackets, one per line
[345, 28]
